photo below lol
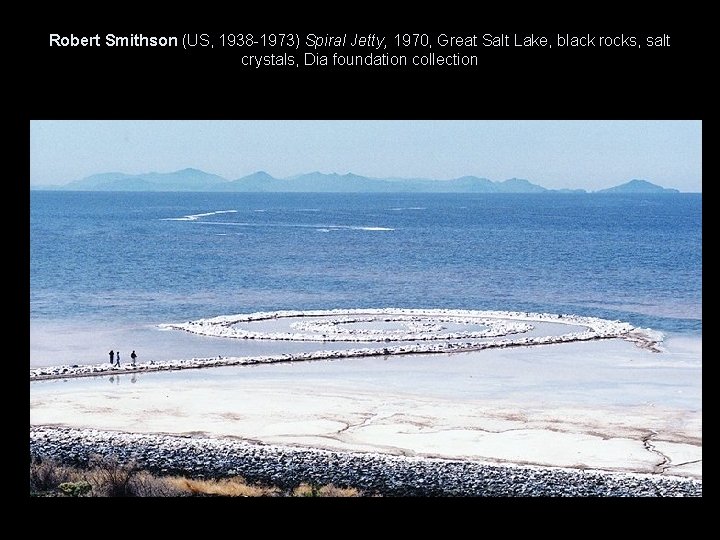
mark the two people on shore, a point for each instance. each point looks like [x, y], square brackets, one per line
[115, 357]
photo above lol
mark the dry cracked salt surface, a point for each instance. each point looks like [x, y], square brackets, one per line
[587, 405]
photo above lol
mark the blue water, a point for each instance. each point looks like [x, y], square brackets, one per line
[116, 258]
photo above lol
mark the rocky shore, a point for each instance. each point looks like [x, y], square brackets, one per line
[375, 473]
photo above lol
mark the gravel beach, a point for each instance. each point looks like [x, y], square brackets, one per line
[371, 472]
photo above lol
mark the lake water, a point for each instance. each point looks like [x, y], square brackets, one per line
[106, 268]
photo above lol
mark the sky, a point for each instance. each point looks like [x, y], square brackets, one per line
[555, 154]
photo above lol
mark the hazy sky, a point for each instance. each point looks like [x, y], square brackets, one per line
[555, 154]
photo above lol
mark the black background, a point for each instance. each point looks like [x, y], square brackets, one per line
[511, 82]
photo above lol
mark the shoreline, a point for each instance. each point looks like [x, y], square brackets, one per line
[594, 405]
[597, 329]
[380, 473]
[98, 370]
[492, 413]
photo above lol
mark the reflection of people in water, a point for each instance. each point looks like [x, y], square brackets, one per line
[112, 357]
[117, 359]
[133, 379]
[133, 356]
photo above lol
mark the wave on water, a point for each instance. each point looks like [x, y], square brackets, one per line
[319, 227]
[195, 217]
[262, 210]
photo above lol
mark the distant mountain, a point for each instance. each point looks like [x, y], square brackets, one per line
[464, 184]
[638, 186]
[353, 183]
[518, 185]
[259, 181]
[98, 181]
[345, 183]
[183, 180]
[197, 180]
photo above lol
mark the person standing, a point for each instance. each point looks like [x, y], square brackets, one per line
[133, 356]
[117, 359]
[112, 357]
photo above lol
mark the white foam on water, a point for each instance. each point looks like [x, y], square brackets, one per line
[316, 226]
[195, 217]
[233, 223]
[359, 228]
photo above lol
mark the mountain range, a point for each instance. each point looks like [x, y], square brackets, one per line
[197, 180]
